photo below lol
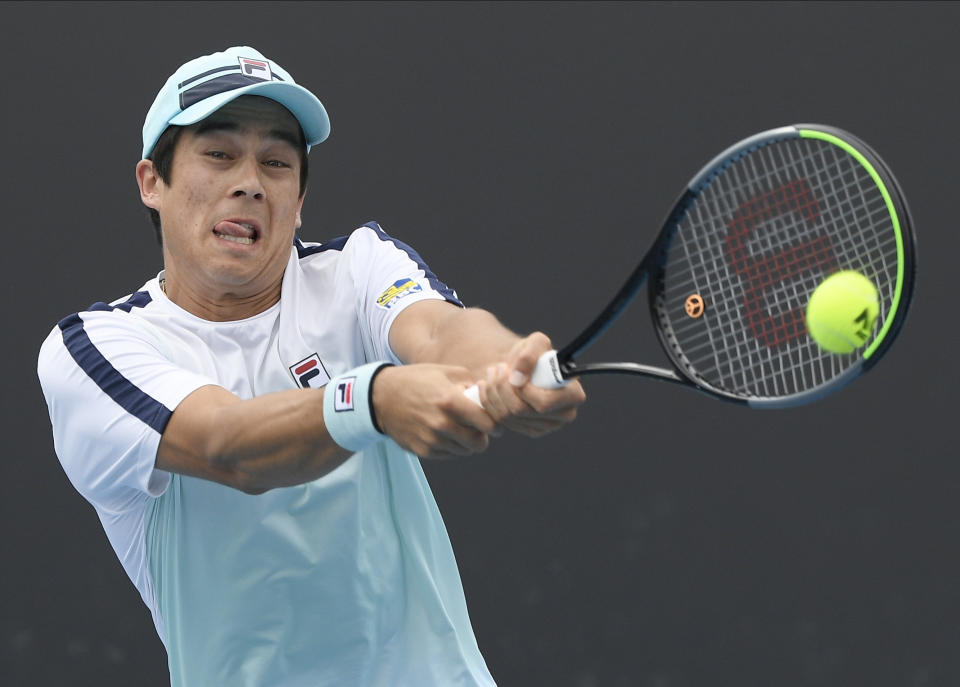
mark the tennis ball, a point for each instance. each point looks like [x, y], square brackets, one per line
[842, 311]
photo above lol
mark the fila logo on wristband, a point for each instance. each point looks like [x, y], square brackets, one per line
[343, 394]
[352, 391]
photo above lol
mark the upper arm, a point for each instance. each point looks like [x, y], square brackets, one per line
[415, 329]
[110, 394]
[391, 282]
[407, 312]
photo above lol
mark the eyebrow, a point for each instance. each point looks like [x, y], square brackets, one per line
[209, 126]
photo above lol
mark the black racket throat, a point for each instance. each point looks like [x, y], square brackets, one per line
[571, 369]
[651, 264]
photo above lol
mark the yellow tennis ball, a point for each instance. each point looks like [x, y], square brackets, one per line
[842, 311]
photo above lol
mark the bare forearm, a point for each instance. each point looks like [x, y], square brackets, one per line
[279, 439]
[274, 440]
[472, 338]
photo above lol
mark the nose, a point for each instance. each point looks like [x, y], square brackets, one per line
[248, 182]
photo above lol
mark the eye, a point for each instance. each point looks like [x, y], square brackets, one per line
[217, 154]
[277, 163]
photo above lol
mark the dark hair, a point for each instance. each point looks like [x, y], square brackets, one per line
[162, 158]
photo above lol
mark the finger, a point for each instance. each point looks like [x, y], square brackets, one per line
[491, 402]
[534, 426]
[442, 447]
[523, 357]
[507, 393]
[462, 440]
[455, 406]
[452, 440]
[494, 402]
[465, 413]
[543, 422]
[547, 401]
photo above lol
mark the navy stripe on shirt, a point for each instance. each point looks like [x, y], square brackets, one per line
[333, 244]
[437, 285]
[130, 397]
[340, 241]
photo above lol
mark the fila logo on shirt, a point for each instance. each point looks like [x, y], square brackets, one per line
[258, 69]
[310, 373]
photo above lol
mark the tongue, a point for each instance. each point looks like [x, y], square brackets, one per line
[228, 228]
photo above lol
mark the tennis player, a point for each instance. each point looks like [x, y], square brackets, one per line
[247, 423]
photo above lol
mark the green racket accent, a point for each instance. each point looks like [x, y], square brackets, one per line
[858, 156]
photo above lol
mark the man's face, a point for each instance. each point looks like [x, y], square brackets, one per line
[232, 205]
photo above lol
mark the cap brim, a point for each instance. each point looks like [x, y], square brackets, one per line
[303, 105]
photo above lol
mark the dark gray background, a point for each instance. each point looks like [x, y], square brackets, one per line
[529, 152]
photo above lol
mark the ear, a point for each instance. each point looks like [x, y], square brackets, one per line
[299, 220]
[149, 182]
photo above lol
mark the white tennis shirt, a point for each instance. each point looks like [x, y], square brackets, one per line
[347, 580]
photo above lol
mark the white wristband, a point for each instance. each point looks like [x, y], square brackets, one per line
[348, 407]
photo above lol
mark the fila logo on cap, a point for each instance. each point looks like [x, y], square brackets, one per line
[310, 373]
[258, 69]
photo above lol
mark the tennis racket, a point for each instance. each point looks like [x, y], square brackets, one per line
[732, 270]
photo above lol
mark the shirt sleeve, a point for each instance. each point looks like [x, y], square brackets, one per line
[110, 393]
[389, 276]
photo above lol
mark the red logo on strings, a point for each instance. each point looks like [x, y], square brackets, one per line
[762, 272]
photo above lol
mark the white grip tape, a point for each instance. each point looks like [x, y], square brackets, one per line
[546, 375]
[348, 407]
[473, 393]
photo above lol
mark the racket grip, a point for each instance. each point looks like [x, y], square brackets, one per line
[473, 393]
[546, 375]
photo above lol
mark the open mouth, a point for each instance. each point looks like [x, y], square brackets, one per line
[244, 233]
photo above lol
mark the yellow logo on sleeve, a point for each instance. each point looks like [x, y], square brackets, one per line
[399, 289]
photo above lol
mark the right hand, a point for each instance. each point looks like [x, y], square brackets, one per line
[514, 402]
[423, 409]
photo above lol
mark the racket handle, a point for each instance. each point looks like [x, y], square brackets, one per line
[546, 375]
[473, 393]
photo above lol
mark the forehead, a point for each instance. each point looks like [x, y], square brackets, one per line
[252, 113]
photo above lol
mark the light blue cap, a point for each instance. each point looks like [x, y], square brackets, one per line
[203, 85]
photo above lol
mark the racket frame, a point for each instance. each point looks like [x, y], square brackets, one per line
[651, 267]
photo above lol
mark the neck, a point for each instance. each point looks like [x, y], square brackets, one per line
[225, 306]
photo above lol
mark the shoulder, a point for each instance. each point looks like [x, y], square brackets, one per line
[121, 313]
[72, 334]
[365, 238]
[372, 258]
[352, 256]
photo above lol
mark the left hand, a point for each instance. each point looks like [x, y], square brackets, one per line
[513, 402]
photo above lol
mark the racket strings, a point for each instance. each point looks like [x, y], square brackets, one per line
[754, 245]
